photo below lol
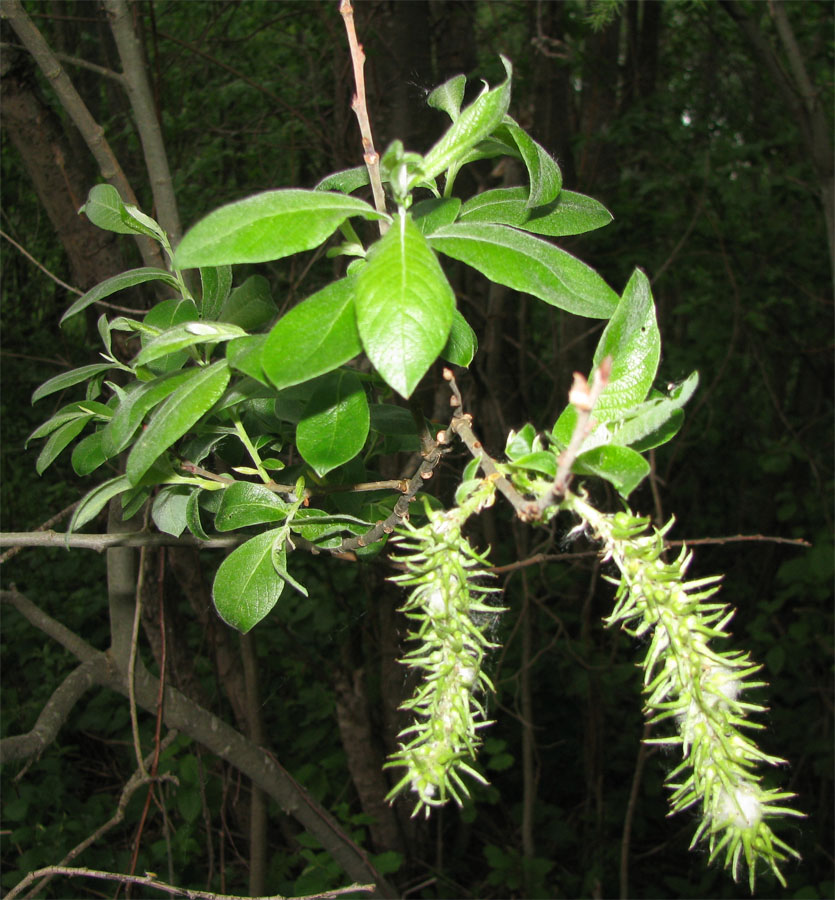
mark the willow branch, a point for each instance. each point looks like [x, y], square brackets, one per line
[360, 108]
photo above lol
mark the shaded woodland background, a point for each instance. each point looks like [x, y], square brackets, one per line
[692, 124]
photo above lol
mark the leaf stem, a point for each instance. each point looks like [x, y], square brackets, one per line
[250, 448]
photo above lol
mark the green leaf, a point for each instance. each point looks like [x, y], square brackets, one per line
[185, 335]
[527, 263]
[139, 399]
[247, 585]
[118, 283]
[243, 504]
[182, 409]
[623, 467]
[386, 418]
[105, 209]
[88, 455]
[315, 337]
[501, 206]
[58, 440]
[195, 526]
[665, 432]
[251, 305]
[160, 318]
[462, 342]
[346, 181]
[652, 415]
[449, 96]
[474, 124]
[80, 408]
[216, 282]
[569, 214]
[324, 530]
[633, 341]
[169, 509]
[543, 173]
[404, 306]
[540, 461]
[280, 565]
[141, 223]
[434, 213]
[95, 501]
[335, 422]
[644, 426]
[519, 443]
[68, 379]
[244, 355]
[267, 226]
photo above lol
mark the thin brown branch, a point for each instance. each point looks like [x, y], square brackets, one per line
[52, 520]
[152, 882]
[732, 539]
[462, 426]
[360, 108]
[73, 61]
[401, 509]
[644, 752]
[582, 397]
[43, 268]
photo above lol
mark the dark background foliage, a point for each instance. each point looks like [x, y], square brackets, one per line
[666, 114]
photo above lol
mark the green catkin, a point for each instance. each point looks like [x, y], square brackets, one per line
[447, 606]
[696, 687]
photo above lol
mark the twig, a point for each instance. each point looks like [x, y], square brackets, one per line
[102, 542]
[360, 108]
[401, 509]
[462, 426]
[644, 752]
[134, 642]
[155, 754]
[731, 539]
[582, 397]
[43, 268]
[152, 881]
[52, 520]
